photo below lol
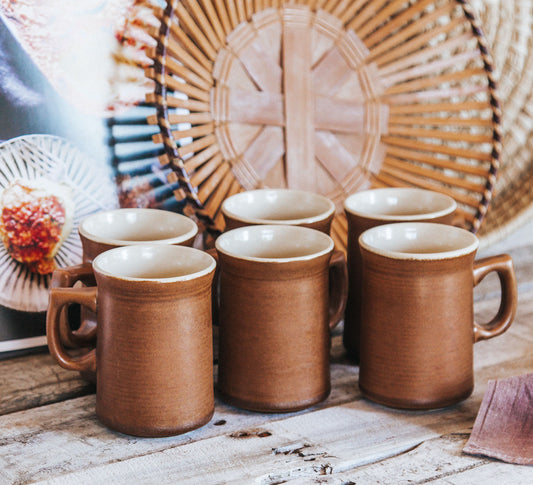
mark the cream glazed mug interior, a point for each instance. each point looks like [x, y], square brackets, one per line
[276, 244]
[148, 262]
[130, 226]
[372, 208]
[405, 203]
[280, 207]
[419, 241]
[417, 318]
[281, 290]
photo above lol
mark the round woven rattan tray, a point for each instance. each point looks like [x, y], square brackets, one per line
[508, 27]
[328, 96]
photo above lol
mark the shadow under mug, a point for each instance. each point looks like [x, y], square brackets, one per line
[110, 229]
[154, 356]
[417, 320]
[279, 207]
[281, 290]
[371, 208]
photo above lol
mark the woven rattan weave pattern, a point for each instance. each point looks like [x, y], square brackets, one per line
[508, 29]
[330, 96]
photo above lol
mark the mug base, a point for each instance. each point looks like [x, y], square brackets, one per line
[415, 404]
[272, 407]
[155, 431]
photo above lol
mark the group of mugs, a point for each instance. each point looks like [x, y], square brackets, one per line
[276, 286]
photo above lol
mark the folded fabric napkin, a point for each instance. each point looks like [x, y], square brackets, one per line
[504, 425]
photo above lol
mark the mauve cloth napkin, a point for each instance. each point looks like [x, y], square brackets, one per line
[504, 425]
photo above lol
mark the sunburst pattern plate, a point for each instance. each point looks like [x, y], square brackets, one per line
[44, 157]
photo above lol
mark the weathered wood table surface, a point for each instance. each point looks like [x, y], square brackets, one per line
[49, 432]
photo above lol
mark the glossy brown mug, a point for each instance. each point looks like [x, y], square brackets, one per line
[281, 290]
[279, 207]
[110, 229]
[154, 355]
[372, 208]
[417, 321]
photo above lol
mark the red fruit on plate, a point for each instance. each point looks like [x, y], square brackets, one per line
[35, 219]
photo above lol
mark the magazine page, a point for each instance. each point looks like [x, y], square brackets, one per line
[74, 139]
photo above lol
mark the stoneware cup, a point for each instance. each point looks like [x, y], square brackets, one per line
[154, 355]
[110, 229]
[417, 325]
[282, 289]
[372, 208]
[128, 226]
[280, 207]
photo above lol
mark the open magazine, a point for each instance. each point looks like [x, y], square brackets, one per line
[74, 139]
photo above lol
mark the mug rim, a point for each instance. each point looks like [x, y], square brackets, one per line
[470, 245]
[227, 210]
[348, 207]
[143, 248]
[273, 229]
[191, 232]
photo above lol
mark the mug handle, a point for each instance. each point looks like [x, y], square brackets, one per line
[338, 288]
[59, 299]
[66, 278]
[503, 266]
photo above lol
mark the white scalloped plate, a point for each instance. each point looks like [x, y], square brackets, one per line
[32, 157]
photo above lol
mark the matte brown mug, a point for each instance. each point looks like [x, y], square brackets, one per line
[154, 354]
[371, 208]
[417, 320]
[110, 229]
[279, 207]
[281, 290]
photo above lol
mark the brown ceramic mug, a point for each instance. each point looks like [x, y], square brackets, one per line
[279, 207]
[154, 355]
[417, 320]
[110, 229]
[372, 208]
[281, 290]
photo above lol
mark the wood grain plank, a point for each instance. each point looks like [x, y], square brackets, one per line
[440, 461]
[355, 437]
[347, 436]
[47, 441]
[344, 432]
[309, 445]
[36, 380]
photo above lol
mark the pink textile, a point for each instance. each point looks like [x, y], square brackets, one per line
[504, 425]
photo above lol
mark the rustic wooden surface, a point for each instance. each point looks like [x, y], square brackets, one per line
[49, 432]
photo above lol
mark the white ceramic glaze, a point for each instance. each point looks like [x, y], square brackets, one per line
[419, 240]
[407, 204]
[130, 226]
[278, 206]
[274, 243]
[159, 262]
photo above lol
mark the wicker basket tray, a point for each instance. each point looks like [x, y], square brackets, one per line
[508, 29]
[329, 96]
